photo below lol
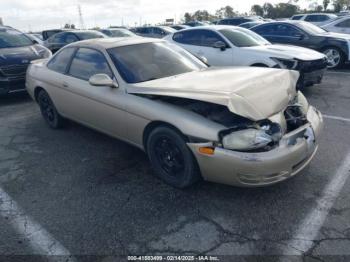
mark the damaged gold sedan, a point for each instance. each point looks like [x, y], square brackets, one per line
[239, 126]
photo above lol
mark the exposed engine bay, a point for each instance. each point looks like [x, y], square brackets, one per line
[294, 117]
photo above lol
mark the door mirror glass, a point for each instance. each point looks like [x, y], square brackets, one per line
[102, 80]
[221, 45]
[203, 59]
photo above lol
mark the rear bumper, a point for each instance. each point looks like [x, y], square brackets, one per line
[11, 85]
[294, 153]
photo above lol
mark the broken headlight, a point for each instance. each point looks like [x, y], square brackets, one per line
[285, 63]
[245, 140]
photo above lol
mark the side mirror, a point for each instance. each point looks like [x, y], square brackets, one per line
[203, 59]
[221, 45]
[35, 42]
[102, 80]
[300, 36]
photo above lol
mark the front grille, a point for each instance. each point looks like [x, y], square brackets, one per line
[14, 70]
[310, 66]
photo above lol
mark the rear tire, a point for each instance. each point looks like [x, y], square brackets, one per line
[171, 158]
[49, 111]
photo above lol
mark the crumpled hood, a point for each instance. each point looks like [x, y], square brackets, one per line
[254, 93]
[17, 55]
[289, 52]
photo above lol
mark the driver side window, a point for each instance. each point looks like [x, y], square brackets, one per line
[209, 38]
[88, 62]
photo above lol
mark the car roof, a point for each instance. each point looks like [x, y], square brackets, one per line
[212, 27]
[107, 43]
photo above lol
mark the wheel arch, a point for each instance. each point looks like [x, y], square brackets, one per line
[37, 90]
[155, 124]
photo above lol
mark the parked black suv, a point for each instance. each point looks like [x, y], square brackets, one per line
[335, 46]
[16, 53]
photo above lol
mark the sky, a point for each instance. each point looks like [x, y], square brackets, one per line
[35, 15]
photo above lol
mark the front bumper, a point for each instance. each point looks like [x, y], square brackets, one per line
[8, 85]
[294, 153]
[311, 72]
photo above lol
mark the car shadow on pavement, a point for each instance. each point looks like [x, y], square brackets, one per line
[14, 98]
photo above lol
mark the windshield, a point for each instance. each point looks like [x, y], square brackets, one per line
[241, 37]
[149, 61]
[311, 28]
[89, 35]
[121, 33]
[13, 38]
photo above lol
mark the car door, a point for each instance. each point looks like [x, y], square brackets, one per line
[283, 34]
[101, 107]
[189, 40]
[200, 42]
[158, 32]
[216, 56]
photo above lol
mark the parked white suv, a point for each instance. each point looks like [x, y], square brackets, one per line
[315, 18]
[341, 25]
[236, 46]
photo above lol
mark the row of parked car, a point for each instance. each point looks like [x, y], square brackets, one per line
[292, 44]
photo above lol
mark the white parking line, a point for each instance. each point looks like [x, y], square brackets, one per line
[38, 238]
[311, 225]
[337, 118]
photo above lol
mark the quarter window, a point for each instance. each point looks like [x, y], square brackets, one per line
[209, 38]
[59, 62]
[88, 62]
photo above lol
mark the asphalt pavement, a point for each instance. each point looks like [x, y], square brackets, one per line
[86, 196]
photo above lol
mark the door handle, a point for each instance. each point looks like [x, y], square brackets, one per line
[64, 84]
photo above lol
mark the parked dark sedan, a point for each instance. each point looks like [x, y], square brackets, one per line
[16, 52]
[235, 21]
[335, 46]
[153, 31]
[48, 33]
[57, 41]
[117, 32]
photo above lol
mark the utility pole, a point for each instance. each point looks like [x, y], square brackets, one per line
[81, 20]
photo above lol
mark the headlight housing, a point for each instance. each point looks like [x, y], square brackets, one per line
[245, 140]
[286, 63]
[42, 51]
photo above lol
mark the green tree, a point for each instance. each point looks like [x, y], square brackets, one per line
[225, 12]
[325, 4]
[201, 15]
[188, 17]
[340, 5]
[269, 10]
[258, 10]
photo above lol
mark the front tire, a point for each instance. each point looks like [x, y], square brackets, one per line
[335, 57]
[49, 111]
[171, 158]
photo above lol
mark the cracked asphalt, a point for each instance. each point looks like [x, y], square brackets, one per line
[96, 196]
